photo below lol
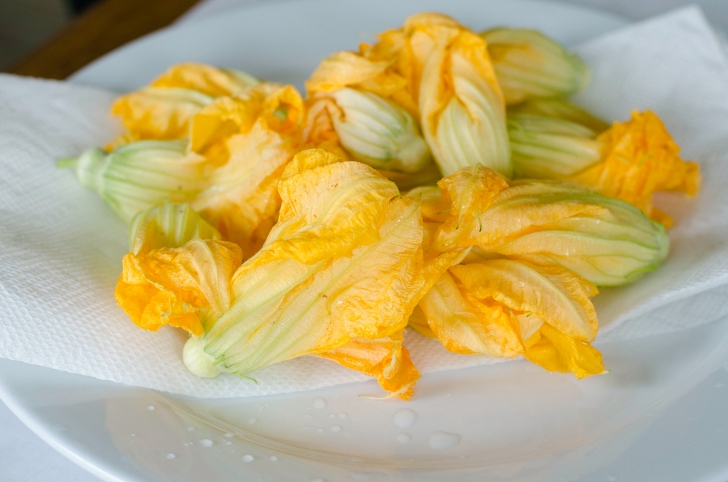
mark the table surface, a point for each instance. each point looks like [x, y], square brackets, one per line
[24, 456]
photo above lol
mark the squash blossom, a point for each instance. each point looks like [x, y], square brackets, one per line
[630, 161]
[375, 131]
[164, 109]
[601, 239]
[505, 308]
[439, 72]
[337, 277]
[178, 271]
[250, 137]
[462, 110]
[140, 175]
[529, 64]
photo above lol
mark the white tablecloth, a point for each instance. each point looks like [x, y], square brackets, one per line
[26, 458]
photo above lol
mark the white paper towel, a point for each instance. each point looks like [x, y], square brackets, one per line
[61, 247]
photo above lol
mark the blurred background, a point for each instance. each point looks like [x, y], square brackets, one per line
[25, 25]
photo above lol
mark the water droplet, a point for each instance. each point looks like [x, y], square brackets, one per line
[342, 415]
[150, 407]
[133, 435]
[444, 440]
[170, 456]
[335, 428]
[252, 420]
[405, 418]
[229, 435]
[228, 443]
[190, 429]
[248, 458]
[332, 416]
[273, 458]
[306, 415]
[403, 438]
[521, 284]
[319, 403]
[206, 442]
[320, 430]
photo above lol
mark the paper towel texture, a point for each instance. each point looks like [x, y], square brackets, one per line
[61, 247]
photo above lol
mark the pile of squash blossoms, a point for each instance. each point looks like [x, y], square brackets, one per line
[271, 226]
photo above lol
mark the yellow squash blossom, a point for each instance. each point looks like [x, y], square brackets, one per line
[440, 73]
[630, 161]
[178, 271]
[604, 240]
[137, 176]
[338, 272]
[250, 137]
[164, 109]
[505, 308]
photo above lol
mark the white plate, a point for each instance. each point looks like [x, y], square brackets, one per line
[512, 421]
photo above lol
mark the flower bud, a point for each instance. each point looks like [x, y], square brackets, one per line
[529, 64]
[140, 175]
[378, 132]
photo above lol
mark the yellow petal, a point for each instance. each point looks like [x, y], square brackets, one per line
[243, 201]
[557, 352]
[345, 204]
[181, 287]
[554, 294]
[384, 358]
[639, 158]
[467, 325]
[157, 113]
[205, 79]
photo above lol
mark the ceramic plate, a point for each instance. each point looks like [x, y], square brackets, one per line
[659, 414]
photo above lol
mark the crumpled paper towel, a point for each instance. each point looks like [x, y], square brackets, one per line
[61, 247]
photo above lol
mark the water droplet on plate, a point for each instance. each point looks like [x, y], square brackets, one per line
[228, 443]
[335, 428]
[190, 429]
[342, 415]
[206, 442]
[170, 456]
[150, 407]
[403, 438]
[320, 430]
[444, 440]
[133, 435]
[332, 416]
[229, 435]
[252, 420]
[273, 458]
[248, 458]
[404, 418]
[319, 403]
